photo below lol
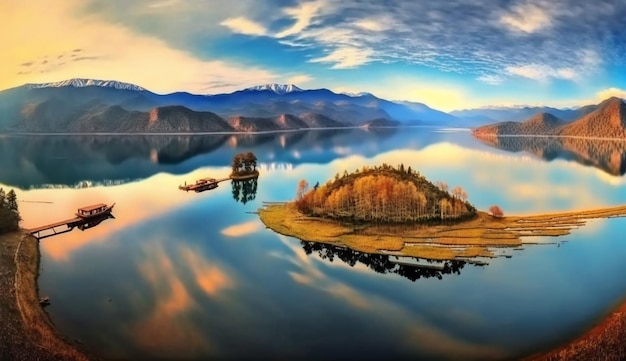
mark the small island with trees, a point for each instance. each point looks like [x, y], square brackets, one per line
[396, 210]
[243, 171]
[244, 166]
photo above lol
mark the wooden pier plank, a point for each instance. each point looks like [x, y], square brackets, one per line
[54, 225]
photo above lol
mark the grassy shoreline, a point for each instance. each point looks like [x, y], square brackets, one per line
[470, 238]
[29, 334]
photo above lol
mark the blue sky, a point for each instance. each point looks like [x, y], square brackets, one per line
[447, 54]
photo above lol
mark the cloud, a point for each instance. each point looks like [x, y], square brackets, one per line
[299, 79]
[163, 4]
[122, 54]
[611, 92]
[492, 79]
[587, 62]
[244, 25]
[532, 71]
[527, 18]
[372, 24]
[303, 15]
[491, 40]
[347, 57]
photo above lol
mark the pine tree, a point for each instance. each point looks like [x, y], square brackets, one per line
[9, 213]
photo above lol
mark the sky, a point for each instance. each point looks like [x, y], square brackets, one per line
[454, 54]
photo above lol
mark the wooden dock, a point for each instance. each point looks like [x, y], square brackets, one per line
[203, 184]
[68, 225]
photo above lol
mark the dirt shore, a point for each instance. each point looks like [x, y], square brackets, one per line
[26, 332]
[606, 341]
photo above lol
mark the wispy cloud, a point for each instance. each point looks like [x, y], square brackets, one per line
[244, 26]
[534, 39]
[346, 57]
[303, 15]
[527, 17]
[107, 51]
[299, 79]
[163, 4]
[611, 92]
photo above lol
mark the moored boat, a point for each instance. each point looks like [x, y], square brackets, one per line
[95, 210]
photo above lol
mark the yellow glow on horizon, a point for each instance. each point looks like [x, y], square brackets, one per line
[44, 43]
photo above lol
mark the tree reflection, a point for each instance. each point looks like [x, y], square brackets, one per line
[411, 268]
[244, 190]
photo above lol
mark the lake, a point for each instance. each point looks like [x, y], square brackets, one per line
[198, 276]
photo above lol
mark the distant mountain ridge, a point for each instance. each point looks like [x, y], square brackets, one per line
[110, 105]
[518, 114]
[105, 105]
[80, 82]
[276, 88]
[606, 120]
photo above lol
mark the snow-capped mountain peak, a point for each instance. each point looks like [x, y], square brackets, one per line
[80, 83]
[276, 88]
[360, 94]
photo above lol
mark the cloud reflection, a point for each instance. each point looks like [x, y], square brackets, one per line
[169, 329]
[171, 326]
[419, 332]
[135, 203]
[242, 229]
[209, 278]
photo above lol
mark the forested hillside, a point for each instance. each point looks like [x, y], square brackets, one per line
[384, 194]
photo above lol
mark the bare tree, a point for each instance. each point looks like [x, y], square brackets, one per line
[303, 186]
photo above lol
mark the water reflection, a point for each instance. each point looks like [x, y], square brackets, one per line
[408, 267]
[197, 276]
[245, 190]
[607, 155]
[88, 160]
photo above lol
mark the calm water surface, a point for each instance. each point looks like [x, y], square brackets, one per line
[197, 276]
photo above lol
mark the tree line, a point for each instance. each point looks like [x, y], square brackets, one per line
[9, 212]
[384, 194]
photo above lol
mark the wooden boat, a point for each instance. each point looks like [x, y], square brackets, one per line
[94, 211]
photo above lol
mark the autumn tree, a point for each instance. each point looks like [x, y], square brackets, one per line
[496, 211]
[383, 194]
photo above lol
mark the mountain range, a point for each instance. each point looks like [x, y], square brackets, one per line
[606, 120]
[93, 106]
[107, 106]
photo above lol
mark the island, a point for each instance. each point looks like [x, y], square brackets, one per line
[395, 210]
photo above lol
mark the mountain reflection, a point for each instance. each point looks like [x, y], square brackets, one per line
[244, 191]
[607, 155]
[39, 161]
[411, 268]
